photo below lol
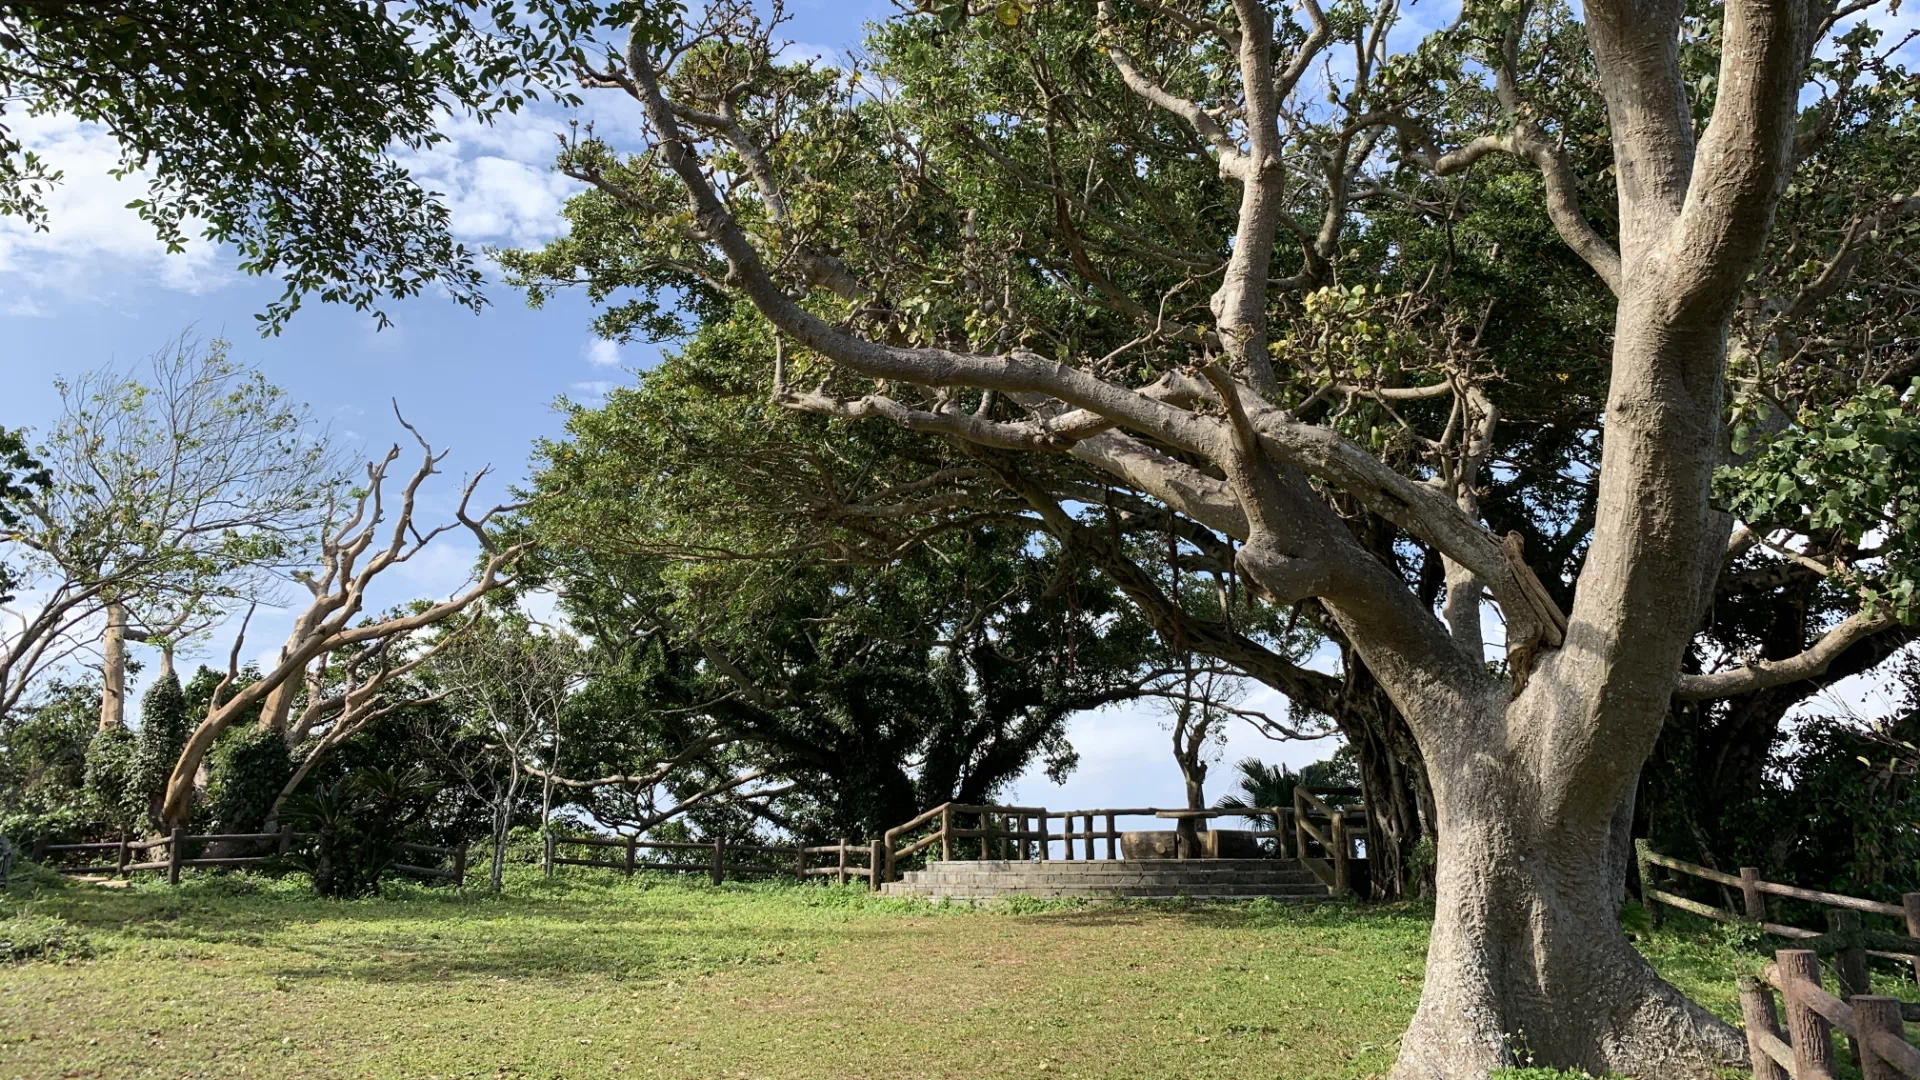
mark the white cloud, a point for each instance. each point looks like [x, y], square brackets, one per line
[496, 180]
[595, 387]
[602, 353]
[92, 239]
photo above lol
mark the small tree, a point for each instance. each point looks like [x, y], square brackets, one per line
[511, 680]
[175, 494]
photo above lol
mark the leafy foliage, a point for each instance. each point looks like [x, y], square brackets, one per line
[110, 777]
[358, 824]
[21, 476]
[1848, 473]
[245, 773]
[43, 762]
[1262, 785]
[164, 726]
[277, 124]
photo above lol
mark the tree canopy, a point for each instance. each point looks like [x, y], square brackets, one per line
[1382, 342]
[278, 127]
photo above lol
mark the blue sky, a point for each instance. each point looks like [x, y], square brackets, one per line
[96, 290]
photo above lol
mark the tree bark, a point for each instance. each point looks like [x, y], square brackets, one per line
[113, 668]
[1527, 962]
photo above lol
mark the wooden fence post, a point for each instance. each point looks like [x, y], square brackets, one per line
[875, 876]
[1750, 894]
[1850, 963]
[286, 839]
[1756, 1009]
[1877, 1014]
[39, 849]
[799, 862]
[124, 855]
[843, 861]
[633, 850]
[1640, 853]
[946, 834]
[1091, 855]
[719, 859]
[1113, 837]
[175, 842]
[1299, 823]
[986, 834]
[1045, 839]
[1911, 902]
[1812, 1035]
[546, 854]
[1849, 967]
[1337, 832]
[460, 866]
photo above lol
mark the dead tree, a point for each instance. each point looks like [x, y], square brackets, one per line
[355, 548]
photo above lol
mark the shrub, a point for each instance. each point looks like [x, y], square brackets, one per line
[247, 771]
[164, 725]
[358, 824]
[109, 778]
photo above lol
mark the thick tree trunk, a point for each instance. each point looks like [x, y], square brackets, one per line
[1528, 963]
[113, 667]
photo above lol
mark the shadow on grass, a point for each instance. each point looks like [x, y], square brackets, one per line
[580, 924]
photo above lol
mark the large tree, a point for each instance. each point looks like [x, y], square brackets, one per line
[1210, 412]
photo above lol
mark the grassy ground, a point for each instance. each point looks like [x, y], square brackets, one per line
[591, 976]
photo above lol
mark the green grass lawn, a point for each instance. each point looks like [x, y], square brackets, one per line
[592, 976]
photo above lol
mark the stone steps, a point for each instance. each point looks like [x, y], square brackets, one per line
[1112, 879]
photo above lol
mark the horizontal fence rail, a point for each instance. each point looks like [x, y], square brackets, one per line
[798, 861]
[176, 844]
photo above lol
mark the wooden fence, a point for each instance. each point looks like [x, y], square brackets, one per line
[125, 851]
[1843, 937]
[1320, 835]
[1873, 1026]
[799, 862]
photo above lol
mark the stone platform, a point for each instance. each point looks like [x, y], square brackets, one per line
[1281, 879]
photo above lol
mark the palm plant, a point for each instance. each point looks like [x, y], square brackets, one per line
[1261, 786]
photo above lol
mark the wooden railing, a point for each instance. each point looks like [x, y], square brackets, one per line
[1026, 832]
[1843, 937]
[799, 862]
[1335, 870]
[1873, 1026]
[176, 844]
